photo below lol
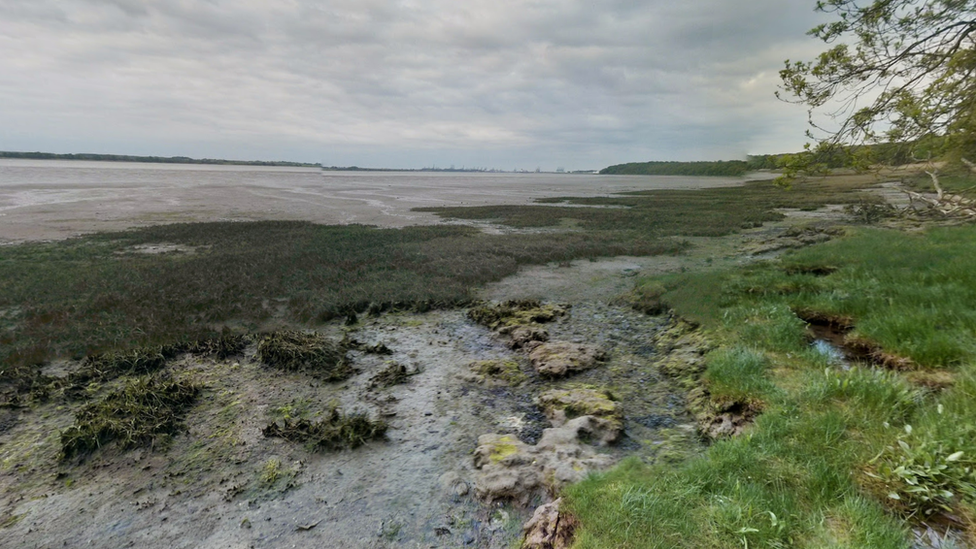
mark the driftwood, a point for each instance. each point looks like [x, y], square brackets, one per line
[948, 204]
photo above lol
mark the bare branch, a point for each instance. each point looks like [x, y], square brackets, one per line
[935, 181]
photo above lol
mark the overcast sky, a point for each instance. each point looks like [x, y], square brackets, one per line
[409, 83]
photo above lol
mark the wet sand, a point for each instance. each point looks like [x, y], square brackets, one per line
[47, 200]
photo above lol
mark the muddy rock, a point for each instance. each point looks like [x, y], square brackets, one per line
[505, 317]
[549, 528]
[524, 335]
[512, 470]
[561, 405]
[683, 347]
[724, 425]
[453, 485]
[560, 358]
[494, 372]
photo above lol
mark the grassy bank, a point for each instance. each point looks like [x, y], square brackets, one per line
[842, 451]
[706, 212]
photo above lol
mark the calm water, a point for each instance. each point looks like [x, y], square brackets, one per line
[46, 199]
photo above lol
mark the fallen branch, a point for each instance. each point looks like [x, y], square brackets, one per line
[947, 204]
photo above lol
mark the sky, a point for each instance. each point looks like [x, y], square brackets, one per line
[506, 84]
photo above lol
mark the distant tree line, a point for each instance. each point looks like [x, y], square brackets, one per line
[151, 159]
[718, 168]
[886, 154]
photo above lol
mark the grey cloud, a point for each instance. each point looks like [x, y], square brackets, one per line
[568, 82]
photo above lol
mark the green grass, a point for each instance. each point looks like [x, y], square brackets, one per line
[94, 294]
[706, 212]
[838, 458]
[912, 294]
[953, 182]
[737, 374]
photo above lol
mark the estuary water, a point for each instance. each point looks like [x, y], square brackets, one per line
[54, 199]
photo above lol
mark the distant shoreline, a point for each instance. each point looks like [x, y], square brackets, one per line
[96, 157]
[152, 159]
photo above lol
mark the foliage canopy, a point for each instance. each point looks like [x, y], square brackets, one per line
[898, 71]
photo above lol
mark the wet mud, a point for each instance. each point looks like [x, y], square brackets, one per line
[224, 483]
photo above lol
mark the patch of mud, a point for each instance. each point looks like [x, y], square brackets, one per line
[778, 238]
[223, 483]
[162, 248]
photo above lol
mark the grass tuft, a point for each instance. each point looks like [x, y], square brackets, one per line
[335, 432]
[309, 353]
[144, 412]
[738, 374]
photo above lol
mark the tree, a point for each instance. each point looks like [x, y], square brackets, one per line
[907, 77]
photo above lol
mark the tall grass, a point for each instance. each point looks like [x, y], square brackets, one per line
[839, 458]
[96, 293]
[911, 294]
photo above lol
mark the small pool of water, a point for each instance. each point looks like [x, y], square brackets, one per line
[831, 352]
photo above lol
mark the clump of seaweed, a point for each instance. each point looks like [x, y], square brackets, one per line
[305, 352]
[21, 385]
[394, 374]
[102, 367]
[144, 412]
[336, 431]
[222, 347]
[110, 365]
[113, 364]
[375, 349]
[512, 313]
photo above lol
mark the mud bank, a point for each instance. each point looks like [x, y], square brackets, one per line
[224, 484]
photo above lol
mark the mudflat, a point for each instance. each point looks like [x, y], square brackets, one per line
[48, 200]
